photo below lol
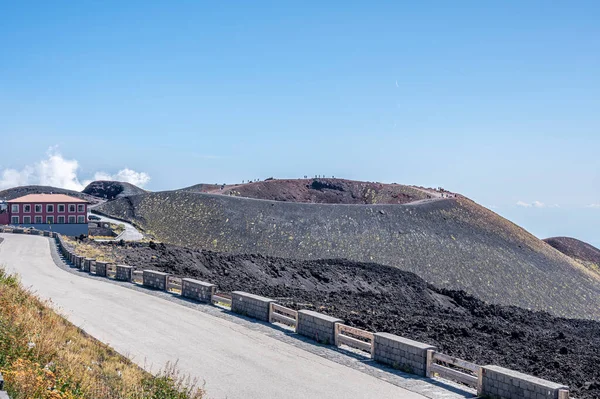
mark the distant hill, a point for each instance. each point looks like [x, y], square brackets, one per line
[582, 252]
[16, 192]
[450, 242]
[110, 190]
[319, 191]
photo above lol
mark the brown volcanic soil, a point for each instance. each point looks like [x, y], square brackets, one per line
[16, 192]
[578, 250]
[318, 191]
[451, 242]
[382, 298]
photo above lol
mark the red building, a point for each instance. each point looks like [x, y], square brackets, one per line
[56, 212]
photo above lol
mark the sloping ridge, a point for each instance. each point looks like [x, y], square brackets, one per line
[318, 190]
[16, 192]
[107, 189]
[451, 243]
[578, 250]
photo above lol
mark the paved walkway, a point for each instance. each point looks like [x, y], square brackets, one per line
[235, 356]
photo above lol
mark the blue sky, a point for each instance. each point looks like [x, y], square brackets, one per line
[499, 101]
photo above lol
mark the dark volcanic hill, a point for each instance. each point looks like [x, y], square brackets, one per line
[319, 191]
[581, 251]
[452, 242]
[112, 189]
[16, 192]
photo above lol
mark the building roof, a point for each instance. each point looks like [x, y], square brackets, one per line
[46, 198]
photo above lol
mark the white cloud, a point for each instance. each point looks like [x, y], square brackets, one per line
[56, 171]
[126, 175]
[536, 204]
[593, 206]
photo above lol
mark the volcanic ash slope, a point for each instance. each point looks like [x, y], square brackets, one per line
[452, 243]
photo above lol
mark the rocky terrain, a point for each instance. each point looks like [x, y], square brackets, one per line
[16, 192]
[580, 251]
[110, 190]
[319, 191]
[383, 298]
[450, 242]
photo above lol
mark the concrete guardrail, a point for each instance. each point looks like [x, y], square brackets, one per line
[402, 353]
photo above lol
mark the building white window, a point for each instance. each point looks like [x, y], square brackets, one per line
[38, 208]
[50, 219]
[14, 208]
[80, 219]
[38, 220]
[50, 208]
[14, 220]
[61, 208]
[26, 219]
[61, 220]
[80, 208]
[27, 208]
[71, 219]
[71, 207]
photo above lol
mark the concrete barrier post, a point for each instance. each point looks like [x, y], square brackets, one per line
[317, 326]
[154, 279]
[87, 264]
[197, 290]
[124, 273]
[101, 268]
[501, 383]
[251, 305]
[401, 353]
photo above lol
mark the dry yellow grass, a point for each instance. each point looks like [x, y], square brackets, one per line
[44, 356]
[103, 254]
[117, 228]
[108, 238]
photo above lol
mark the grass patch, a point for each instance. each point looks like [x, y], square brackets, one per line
[108, 238]
[91, 251]
[44, 356]
[117, 228]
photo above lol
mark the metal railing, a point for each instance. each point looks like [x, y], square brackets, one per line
[174, 284]
[221, 299]
[354, 338]
[283, 315]
[453, 368]
[111, 270]
[137, 277]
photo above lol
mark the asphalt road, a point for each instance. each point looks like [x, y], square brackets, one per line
[234, 361]
[130, 233]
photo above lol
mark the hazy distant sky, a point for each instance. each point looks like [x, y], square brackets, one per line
[499, 101]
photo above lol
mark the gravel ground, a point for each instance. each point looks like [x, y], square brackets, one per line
[382, 298]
